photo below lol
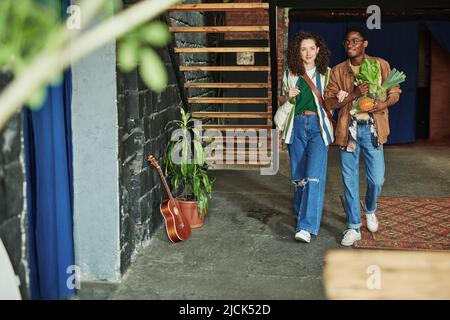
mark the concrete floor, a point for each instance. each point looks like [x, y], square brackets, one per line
[246, 249]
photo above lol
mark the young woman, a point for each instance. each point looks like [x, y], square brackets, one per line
[308, 130]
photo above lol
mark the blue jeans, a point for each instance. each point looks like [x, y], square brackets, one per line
[374, 164]
[308, 154]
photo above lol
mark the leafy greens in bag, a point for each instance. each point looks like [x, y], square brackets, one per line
[370, 73]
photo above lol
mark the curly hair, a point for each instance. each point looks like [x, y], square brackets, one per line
[295, 63]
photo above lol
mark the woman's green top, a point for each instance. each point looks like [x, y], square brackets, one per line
[305, 100]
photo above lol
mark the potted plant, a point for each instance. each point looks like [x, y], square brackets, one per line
[185, 166]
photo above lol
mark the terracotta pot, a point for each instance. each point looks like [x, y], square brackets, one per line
[190, 211]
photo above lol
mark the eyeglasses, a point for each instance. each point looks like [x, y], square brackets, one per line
[354, 42]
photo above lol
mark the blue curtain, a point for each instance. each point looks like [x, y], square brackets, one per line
[440, 31]
[396, 42]
[48, 149]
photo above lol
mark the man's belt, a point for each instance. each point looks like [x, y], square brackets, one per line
[362, 122]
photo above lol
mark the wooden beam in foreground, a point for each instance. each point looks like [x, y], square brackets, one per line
[387, 274]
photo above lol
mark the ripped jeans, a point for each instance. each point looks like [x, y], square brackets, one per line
[308, 154]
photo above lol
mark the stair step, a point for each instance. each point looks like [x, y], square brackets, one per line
[223, 49]
[247, 160]
[238, 166]
[232, 139]
[226, 85]
[224, 68]
[232, 115]
[229, 100]
[224, 127]
[218, 6]
[243, 152]
[239, 149]
[211, 29]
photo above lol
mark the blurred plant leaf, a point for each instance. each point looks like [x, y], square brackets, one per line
[156, 34]
[128, 55]
[37, 99]
[57, 80]
[152, 70]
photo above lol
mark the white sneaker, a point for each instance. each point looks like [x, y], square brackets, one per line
[372, 222]
[350, 236]
[303, 236]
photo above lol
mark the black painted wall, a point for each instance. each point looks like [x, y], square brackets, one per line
[142, 116]
[13, 219]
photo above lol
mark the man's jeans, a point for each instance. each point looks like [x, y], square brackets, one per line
[374, 164]
[308, 155]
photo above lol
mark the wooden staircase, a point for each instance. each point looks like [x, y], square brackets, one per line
[246, 150]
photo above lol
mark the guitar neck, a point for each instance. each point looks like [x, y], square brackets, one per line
[166, 186]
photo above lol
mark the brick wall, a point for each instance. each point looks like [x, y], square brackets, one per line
[13, 221]
[247, 18]
[282, 41]
[257, 18]
[440, 86]
[142, 116]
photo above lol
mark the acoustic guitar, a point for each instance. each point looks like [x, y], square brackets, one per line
[177, 226]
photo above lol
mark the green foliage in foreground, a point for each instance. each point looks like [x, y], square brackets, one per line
[30, 28]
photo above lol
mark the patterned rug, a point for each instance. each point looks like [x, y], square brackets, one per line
[408, 224]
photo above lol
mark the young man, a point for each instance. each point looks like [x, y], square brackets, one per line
[366, 132]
